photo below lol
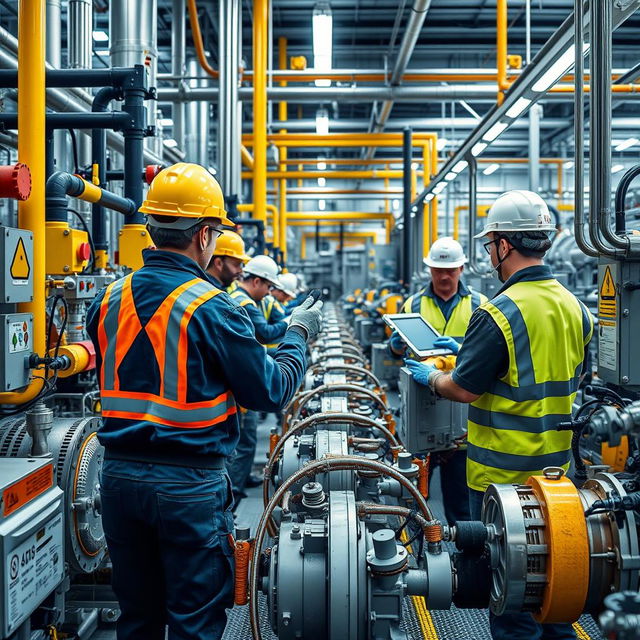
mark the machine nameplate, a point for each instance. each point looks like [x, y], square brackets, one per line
[607, 345]
[33, 569]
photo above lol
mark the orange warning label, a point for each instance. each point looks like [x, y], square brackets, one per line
[607, 303]
[20, 267]
[25, 490]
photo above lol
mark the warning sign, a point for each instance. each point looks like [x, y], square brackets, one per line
[607, 345]
[20, 267]
[607, 303]
[27, 489]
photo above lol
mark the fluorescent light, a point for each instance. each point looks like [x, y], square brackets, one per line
[478, 148]
[460, 166]
[212, 171]
[414, 166]
[322, 40]
[568, 164]
[322, 205]
[616, 168]
[322, 165]
[165, 122]
[100, 36]
[492, 168]
[450, 176]
[559, 68]
[322, 182]
[170, 142]
[629, 142]
[518, 107]
[442, 143]
[429, 197]
[495, 131]
[396, 205]
[322, 122]
[441, 186]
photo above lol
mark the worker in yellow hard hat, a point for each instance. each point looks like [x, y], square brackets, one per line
[174, 354]
[228, 257]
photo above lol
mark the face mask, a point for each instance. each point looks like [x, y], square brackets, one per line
[498, 267]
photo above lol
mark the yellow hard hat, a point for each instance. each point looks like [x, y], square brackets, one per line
[188, 192]
[231, 244]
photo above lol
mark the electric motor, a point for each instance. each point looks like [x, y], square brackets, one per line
[77, 456]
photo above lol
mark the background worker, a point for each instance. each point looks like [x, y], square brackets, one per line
[174, 355]
[229, 256]
[260, 276]
[519, 367]
[447, 304]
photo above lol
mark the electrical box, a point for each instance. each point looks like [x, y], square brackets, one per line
[618, 316]
[31, 538]
[15, 349]
[429, 423]
[385, 367]
[16, 257]
[369, 330]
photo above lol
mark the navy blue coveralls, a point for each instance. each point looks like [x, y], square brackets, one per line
[175, 354]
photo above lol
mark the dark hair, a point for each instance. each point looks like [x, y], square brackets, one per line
[173, 238]
[531, 244]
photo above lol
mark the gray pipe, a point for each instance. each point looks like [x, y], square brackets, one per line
[600, 131]
[54, 57]
[414, 25]
[178, 44]
[578, 131]
[197, 135]
[473, 205]
[535, 113]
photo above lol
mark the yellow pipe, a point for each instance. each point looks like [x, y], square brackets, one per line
[501, 48]
[260, 62]
[321, 191]
[197, 39]
[31, 151]
[434, 202]
[373, 174]
[330, 138]
[332, 223]
[247, 158]
[251, 207]
[387, 204]
[282, 190]
[346, 161]
[338, 215]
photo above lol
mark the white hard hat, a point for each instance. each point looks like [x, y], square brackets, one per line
[288, 283]
[263, 267]
[518, 210]
[445, 253]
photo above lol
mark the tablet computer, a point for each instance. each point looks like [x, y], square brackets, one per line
[417, 333]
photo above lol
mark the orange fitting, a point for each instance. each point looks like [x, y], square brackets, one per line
[433, 532]
[273, 441]
[391, 423]
[423, 475]
[242, 555]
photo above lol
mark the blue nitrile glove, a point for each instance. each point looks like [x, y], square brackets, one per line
[397, 343]
[420, 371]
[447, 342]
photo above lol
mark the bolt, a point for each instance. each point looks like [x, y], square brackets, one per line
[625, 313]
[66, 268]
[625, 379]
[66, 232]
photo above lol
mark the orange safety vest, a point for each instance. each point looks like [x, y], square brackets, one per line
[119, 326]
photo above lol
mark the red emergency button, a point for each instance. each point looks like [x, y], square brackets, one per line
[84, 251]
[81, 285]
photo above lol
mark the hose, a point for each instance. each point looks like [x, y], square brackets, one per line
[433, 532]
[242, 556]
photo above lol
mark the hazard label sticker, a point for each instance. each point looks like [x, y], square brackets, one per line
[20, 267]
[607, 303]
[18, 494]
[607, 345]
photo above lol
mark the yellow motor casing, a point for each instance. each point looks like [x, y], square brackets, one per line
[616, 457]
[67, 249]
[133, 239]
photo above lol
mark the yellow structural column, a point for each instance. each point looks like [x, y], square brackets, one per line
[260, 44]
[434, 203]
[31, 151]
[282, 190]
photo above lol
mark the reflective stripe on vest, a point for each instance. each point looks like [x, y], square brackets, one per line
[266, 306]
[118, 328]
[456, 325]
[512, 427]
[242, 297]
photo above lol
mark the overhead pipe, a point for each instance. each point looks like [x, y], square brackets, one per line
[621, 194]
[246, 157]
[31, 151]
[415, 21]
[260, 63]
[178, 48]
[473, 204]
[601, 24]
[334, 235]
[373, 174]
[197, 39]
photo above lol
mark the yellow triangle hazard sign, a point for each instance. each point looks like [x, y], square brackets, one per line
[20, 267]
[608, 288]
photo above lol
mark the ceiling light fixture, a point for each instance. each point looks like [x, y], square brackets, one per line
[441, 144]
[616, 168]
[429, 197]
[460, 166]
[558, 69]
[478, 148]
[629, 142]
[495, 131]
[322, 205]
[165, 122]
[450, 176]
[170, 142]
[492, 168]
[322, 40]
[100, 36]
[518, 107]
[322, 123]
[568, 164]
